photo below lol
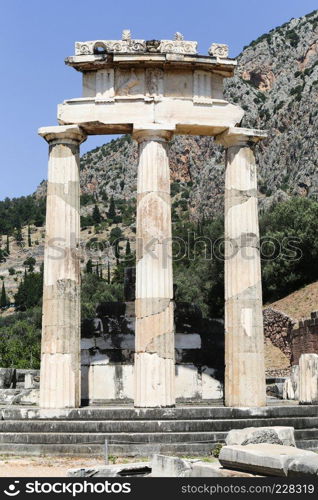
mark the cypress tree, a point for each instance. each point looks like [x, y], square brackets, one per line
[8, 245]
[3, 299]
[19, 235]
[108, 273]
[89, 266]
[112, 209]
[96, 215]
[128, 252]
[29, 237]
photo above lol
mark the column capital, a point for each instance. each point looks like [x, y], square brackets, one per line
[156, 132]
[237, 136]
[65, 134]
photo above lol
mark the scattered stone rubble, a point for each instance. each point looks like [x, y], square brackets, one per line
[19, 387]
[254, 435]
[249, 452]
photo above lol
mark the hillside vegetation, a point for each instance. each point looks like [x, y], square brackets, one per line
[276, 84]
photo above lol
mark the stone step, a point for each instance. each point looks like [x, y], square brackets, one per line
[127, 438]
[151, 426]
[130, 450]
[306, 434]
[307, 444]
[178, 413]
[115, 439]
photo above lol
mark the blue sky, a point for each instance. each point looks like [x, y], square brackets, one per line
[36, 36]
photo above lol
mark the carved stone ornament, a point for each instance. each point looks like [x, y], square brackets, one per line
[178, 36]
[153, 45]
[128, 45]
[109, 46]
[126, 35]
[154, 82]
[219, 50]
[178, 47]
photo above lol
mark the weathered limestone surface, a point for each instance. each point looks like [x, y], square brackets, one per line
[167, 466]
[60, 350]
[154, 358]
[267, 459]
[254, 435]
[150, 81]
[203, 469]
[291, 384]
[308, 379]
[303, 466]
[132, 469]
[244, 338]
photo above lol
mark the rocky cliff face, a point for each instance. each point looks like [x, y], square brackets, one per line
[276, 83]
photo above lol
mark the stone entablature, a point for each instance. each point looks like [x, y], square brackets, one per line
[165, 81]
[135, 46]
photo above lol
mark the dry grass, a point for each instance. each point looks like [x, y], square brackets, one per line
[299, 304]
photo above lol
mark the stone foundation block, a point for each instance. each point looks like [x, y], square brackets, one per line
[265, 459]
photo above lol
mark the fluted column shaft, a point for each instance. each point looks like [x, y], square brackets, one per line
[244, 338]
[60, 348]
[154, 357]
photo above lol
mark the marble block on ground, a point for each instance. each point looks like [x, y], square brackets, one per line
[262, 458]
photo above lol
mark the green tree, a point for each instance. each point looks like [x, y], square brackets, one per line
[3, 298]
[19, 235]
[29, 237]
[3, 255]
[112, 209]
[30, 291]
[108, 273]
[89, 266]
[20, 345]
[95, 290]
[289, 247]
[8, 245]
[96, 215]
[29, 263]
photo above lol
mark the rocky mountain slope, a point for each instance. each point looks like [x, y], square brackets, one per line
[276, 83]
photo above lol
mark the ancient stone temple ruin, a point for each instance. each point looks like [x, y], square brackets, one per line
[153, 90]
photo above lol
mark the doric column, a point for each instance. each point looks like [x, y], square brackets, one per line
[154, 357]
[60, 350]
[244, 338]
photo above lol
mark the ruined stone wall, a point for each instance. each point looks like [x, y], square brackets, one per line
[277, 329]
[108, 347]
[304, 338]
